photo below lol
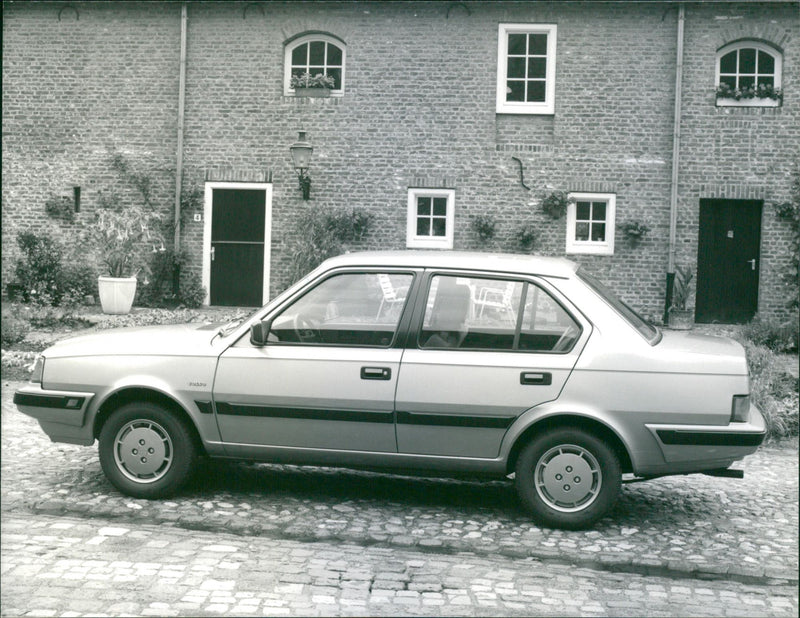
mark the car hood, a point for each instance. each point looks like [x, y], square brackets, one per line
[174, 339]
[703, 353]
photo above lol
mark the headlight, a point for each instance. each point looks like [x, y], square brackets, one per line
[740, 409]
[37, 369]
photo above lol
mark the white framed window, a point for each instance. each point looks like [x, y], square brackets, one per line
[749, 73]
[526, 69]
[430, 218]
[315, 54]
[590, 223]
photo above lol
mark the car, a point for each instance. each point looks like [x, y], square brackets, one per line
[448, 363]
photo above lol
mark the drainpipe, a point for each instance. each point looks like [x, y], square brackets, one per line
[179, 154]
[676, 147]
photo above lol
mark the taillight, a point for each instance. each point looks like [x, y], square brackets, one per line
[37, 369]
[740, 409]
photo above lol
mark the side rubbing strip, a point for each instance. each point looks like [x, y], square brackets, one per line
[204, 406]
[49, 401]
[709, 438]
[353, 416]
[453, 420]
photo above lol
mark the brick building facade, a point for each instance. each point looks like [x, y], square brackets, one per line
[430, 102]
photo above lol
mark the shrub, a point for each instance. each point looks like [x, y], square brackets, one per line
[14, 328]
[39, 271]
[777, 337]
[191, 293]
[773, 391]
[78, 281]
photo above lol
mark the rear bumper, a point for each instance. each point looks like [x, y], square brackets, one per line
[61, 414]
[704, 447]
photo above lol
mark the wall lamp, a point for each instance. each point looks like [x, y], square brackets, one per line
[301, 158]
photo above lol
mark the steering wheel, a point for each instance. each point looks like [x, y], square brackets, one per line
[566, 338]
[306, 329]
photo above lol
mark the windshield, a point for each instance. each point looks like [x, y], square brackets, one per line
[647, 330]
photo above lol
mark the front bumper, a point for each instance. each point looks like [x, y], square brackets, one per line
[700, 446]
[61, 414]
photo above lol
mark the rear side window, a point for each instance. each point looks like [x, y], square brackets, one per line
[471, 313]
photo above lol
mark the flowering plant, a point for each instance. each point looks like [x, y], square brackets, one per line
[117, 233]
[306, 80]
[761, 91]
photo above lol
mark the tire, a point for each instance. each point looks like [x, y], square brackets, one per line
[568, 478]
[145, 451]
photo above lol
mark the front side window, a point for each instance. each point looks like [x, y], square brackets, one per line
[526, 69]
[749, 73]
[590, 223]
[317, 57]
[430, 218]
[471, 313]
[360, 309]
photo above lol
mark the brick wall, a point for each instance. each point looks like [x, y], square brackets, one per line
[419, 111]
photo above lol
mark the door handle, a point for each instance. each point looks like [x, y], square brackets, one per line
[752, 264]
[213, 249]
[535, 378]
[376, 373]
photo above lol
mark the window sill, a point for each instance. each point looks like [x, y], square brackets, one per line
[590, 250]
[755, 102]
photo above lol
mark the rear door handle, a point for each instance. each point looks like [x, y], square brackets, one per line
[376, 373]
[536, 378]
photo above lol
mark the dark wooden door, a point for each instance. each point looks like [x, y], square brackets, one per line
[728, 254]
[237, 247]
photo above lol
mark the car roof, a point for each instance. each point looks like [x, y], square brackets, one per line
[468, 260]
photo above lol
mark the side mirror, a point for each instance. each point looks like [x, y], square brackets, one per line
[259, 332]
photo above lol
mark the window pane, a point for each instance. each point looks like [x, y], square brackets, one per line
[336, 74]
[599, 211]
[729, 80]
[440, 206]
[766, 63]
[516, 67]
[300, 55]
[766, 81]
[516, 44]
[423, 226]
[350, 309]
[583, 210]
[439, 227]
[471, 313]
[599, 232]
[423, 205]
[537, 67]
[727, 64]
[536, 91]
[334, 55]
[546, 326]
[515, 91]
[747, 61]
[581, 231]
[317, 52]
[745, 81]
[538, 44]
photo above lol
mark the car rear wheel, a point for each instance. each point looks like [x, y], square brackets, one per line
[145, 451]
[568, 478]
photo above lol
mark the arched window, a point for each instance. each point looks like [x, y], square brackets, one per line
[316, 55]
[749, 73]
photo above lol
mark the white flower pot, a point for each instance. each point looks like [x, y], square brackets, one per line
[116, 294]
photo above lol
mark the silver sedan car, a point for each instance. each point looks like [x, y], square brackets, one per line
[439, 362]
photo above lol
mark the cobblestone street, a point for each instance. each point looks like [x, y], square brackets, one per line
[280, 540]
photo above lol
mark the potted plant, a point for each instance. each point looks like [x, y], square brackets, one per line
[307, 85]
[117, 235]
[555, 204]
[681, 318]
[634, 231]
[766, 94]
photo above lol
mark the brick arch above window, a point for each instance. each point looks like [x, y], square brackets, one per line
[315, 53]
[749, 72]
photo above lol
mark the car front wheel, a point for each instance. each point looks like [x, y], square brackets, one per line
[568, 478]
[145, 451]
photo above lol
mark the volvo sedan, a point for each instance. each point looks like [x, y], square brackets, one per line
[440, 362]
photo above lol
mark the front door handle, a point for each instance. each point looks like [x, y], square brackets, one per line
[536, 378]
[376, 373]
[752, 264]
[213, 250]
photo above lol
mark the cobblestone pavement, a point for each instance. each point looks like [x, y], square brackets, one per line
[454, 547]
[94, 567]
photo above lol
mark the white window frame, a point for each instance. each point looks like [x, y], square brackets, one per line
[414, 241]
[287, 60]
[520, 107]
[592, 247]
[777, 76]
